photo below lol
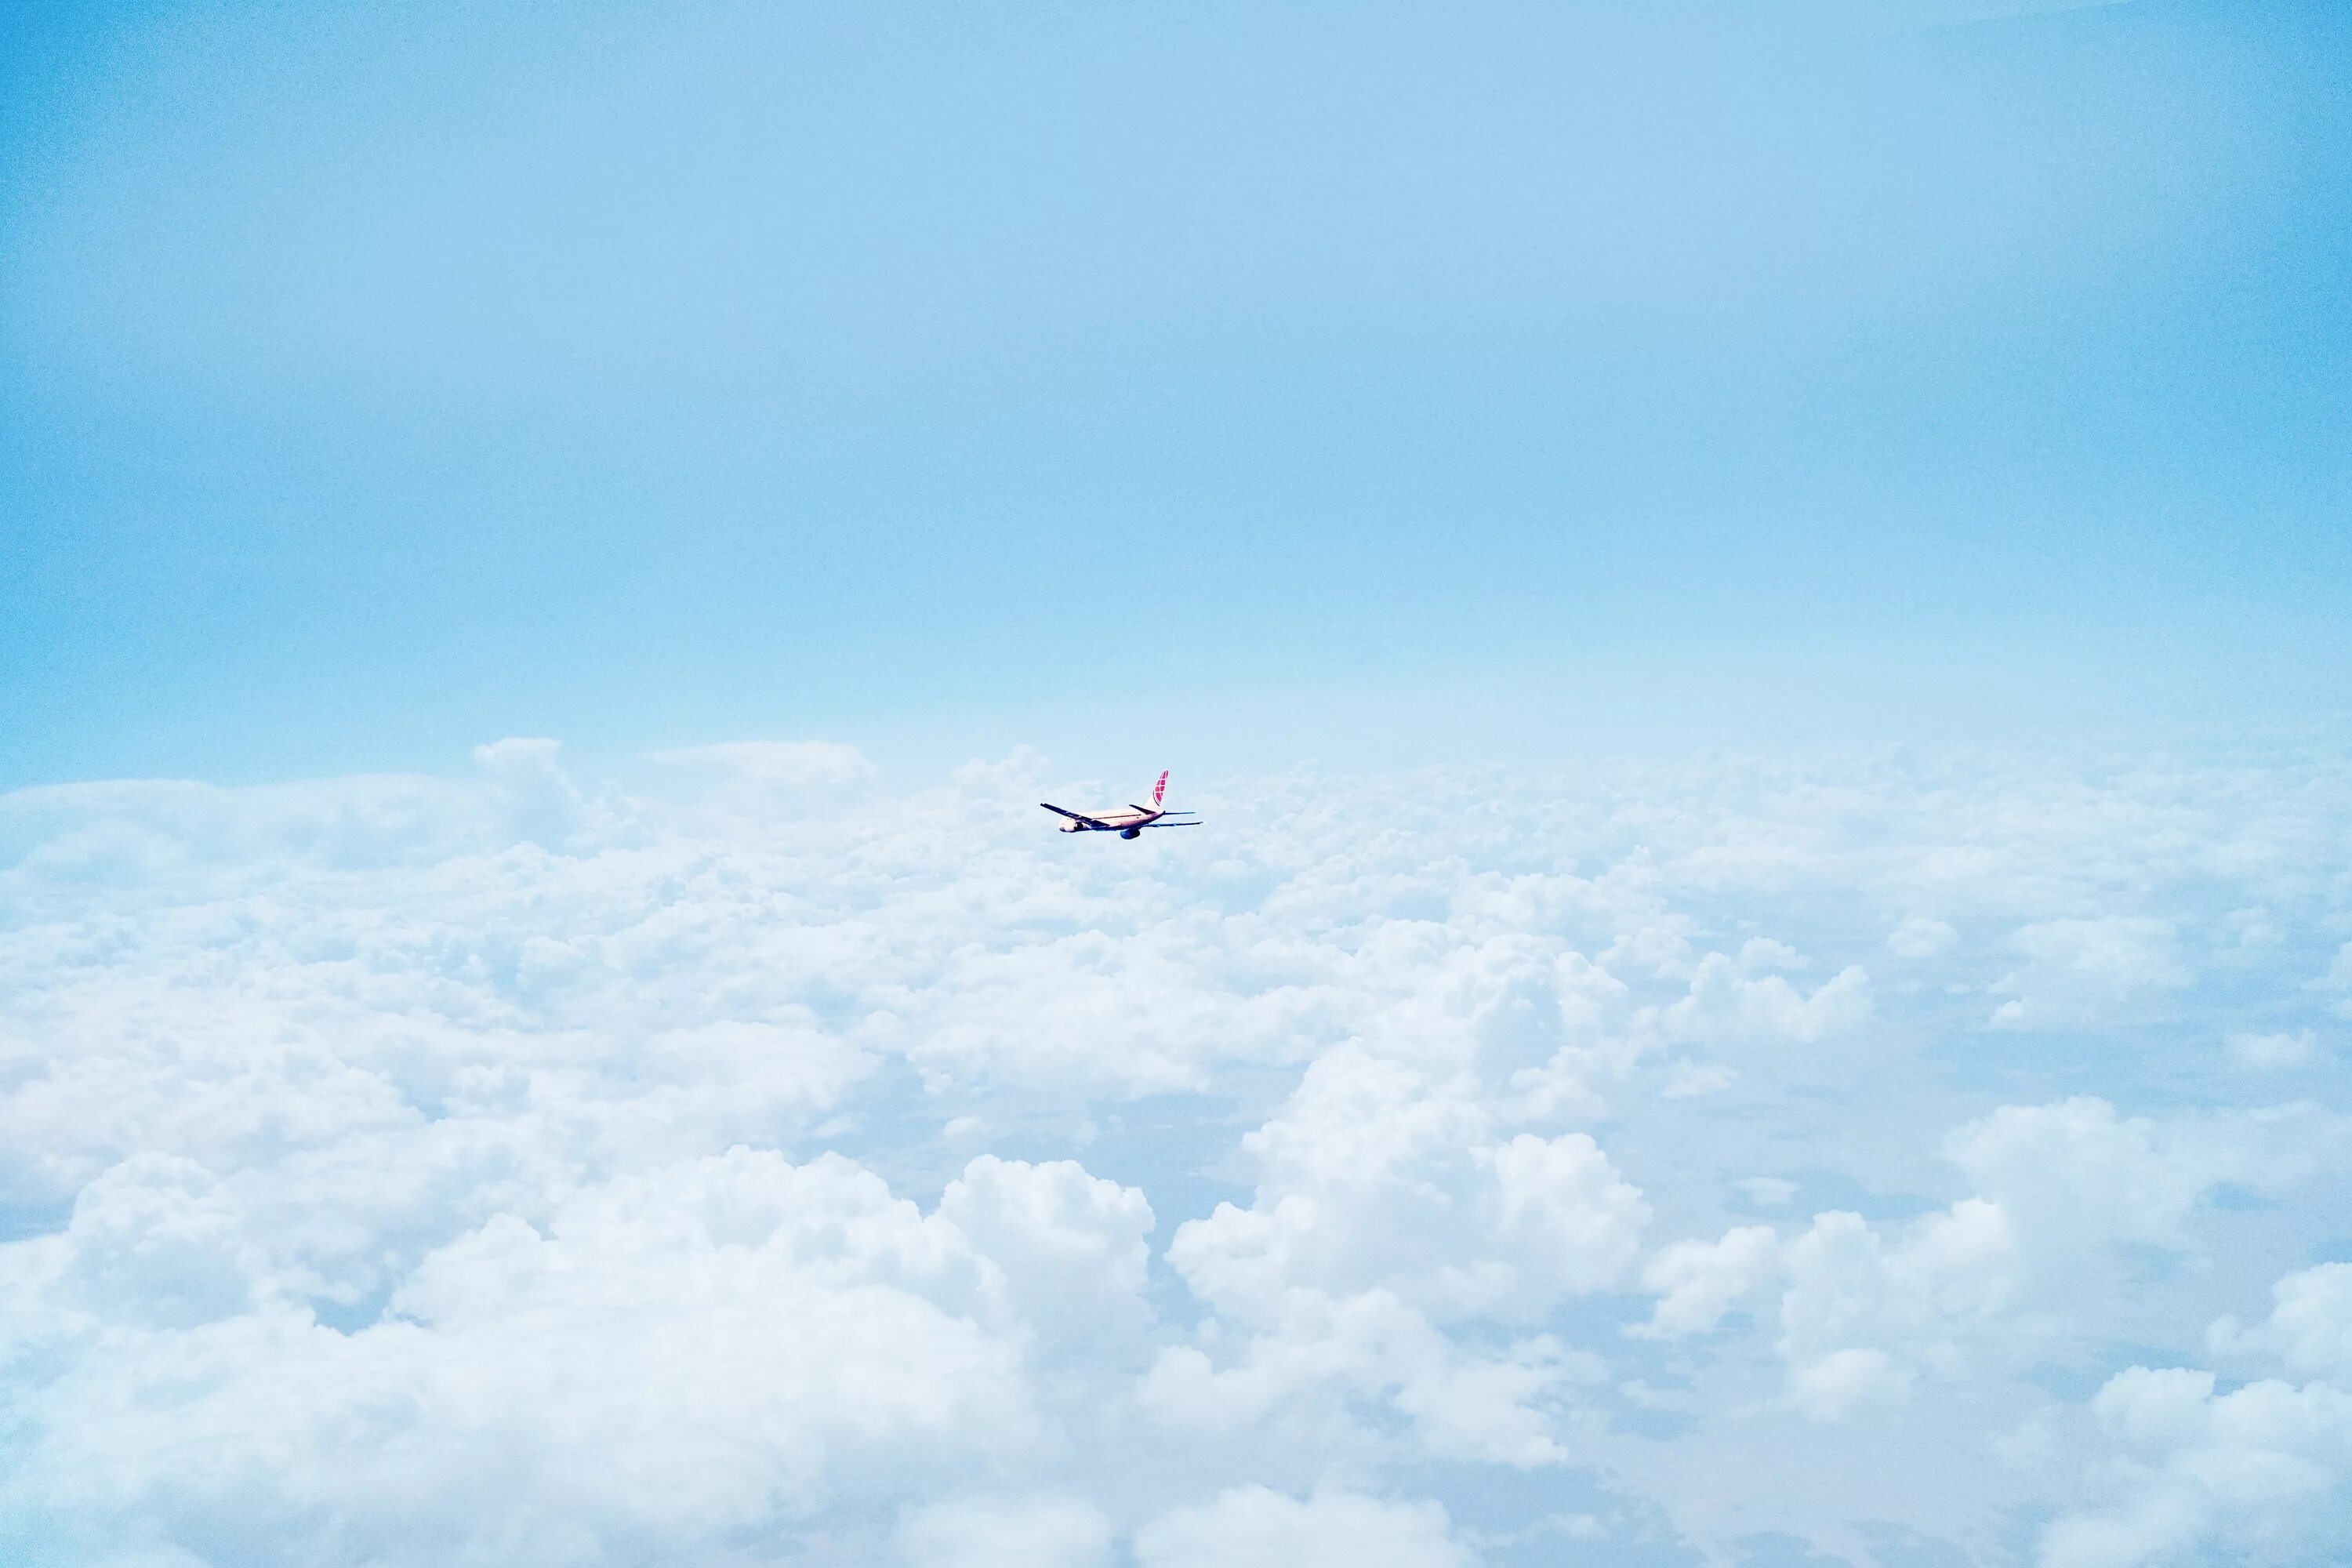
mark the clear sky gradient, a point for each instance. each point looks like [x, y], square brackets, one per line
[374, 382]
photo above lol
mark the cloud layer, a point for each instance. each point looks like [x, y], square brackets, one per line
[1906, 1160]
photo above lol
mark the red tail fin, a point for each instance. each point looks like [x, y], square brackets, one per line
[1159, 789]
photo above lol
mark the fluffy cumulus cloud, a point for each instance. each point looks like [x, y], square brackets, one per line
[2310, 1326]
[2257, 1473]
[1897, 1161]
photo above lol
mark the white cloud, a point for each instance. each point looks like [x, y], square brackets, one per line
[2273, 1050]
[2310, 1327]
[1698, 1282]
[1255, 1527]
[1376, 1175]
[680, 1352]
[535, 799]
[2256, 1474]
[1070, 1246]
[2077, 1173]
[1727, 1007]
[997, 1530]
[1920, 936]
[1827, 1387]
[1390, 1207]
[2064, 1191]
[510, 1168]
[1307, 1369]
[1863, 1317]
[2081, 970]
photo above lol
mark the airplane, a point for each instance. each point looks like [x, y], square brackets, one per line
[1128, 824]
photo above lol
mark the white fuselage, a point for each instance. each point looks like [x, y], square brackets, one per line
[1113, 821]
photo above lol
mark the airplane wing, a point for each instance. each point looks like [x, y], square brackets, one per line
[1172, 825]
[1076, 817]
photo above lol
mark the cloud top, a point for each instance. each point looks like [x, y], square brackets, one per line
[515, 1167]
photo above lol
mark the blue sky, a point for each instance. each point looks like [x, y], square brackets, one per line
[1347, 382]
